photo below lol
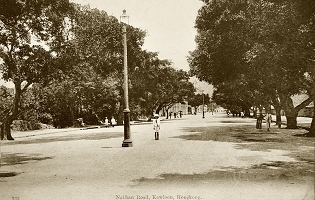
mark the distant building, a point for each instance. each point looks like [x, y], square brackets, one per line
[220, 110]
[176, 108]
[308, 111]
[183, 107]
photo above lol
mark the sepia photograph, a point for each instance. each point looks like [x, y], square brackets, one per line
[157, 99]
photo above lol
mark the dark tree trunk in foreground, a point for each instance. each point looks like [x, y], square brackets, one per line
[7, 130]
[1, 131]
[278, 117]
[277, 105]
[291, 112]
[12, 115]
[247, 112]
[312, 129]
[292, 121]
[255, 113]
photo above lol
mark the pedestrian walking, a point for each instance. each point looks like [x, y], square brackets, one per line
[106, 122]
[156, 126]
[113, 121]
[268, 120]
[259, 121]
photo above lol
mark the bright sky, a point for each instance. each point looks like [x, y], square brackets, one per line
[169, 24]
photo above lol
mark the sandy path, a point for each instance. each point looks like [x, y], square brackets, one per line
[101, 169]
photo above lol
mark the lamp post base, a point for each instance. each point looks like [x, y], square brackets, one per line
[127, 138]
[127, 143]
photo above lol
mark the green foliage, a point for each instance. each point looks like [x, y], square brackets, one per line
[76, 70]
[22, 23]
[198, 100]
[6, 99]
[255, 53]
[98, 41]
[155, 84]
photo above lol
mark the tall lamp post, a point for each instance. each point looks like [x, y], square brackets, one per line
[124, 18]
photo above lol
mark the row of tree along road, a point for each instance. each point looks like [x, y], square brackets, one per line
[75, 70]
[66, 61]
[257, 53]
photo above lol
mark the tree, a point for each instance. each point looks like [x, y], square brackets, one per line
[98, 41]
[22, 23]
[236, 97]
[199, 99]
[284, 49]
[156, 85]
[6, 99]
[266, 44]
[83, 95]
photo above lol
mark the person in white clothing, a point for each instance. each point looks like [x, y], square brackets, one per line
[106, 122]
[156, 126]
[113, 122]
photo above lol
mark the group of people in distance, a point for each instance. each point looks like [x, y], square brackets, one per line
[176, 114]
[260, 117]
[156, 124]
[111, 123]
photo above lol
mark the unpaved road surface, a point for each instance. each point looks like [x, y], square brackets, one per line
[217, 158]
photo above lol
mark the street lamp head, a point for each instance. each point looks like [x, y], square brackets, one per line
[124, 18]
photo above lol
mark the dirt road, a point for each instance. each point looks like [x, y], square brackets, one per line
[212, 158]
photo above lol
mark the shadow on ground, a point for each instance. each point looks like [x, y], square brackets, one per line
[287, 172]
[72, 137]
[19, 158]
[248, 137]
[7, 174]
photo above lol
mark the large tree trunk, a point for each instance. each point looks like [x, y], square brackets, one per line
[292, 121]
[159, 108]
[278, 117]
[7, 130]
[291, 112]
[277, 105]
[247, 112]
[7, 122]
[1, 131]
[72, 114]
[255, 112]
[312, 129]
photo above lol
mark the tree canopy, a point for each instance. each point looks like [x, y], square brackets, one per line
[258, 49]
[66, 62]
[22, 23]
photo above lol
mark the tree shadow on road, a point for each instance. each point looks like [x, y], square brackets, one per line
[19, 158]
[70, 137]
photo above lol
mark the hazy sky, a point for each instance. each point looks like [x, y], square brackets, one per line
[169, 24]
